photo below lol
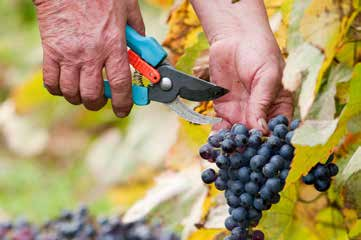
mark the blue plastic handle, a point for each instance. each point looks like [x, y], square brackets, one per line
[139, 93]
[146, 47]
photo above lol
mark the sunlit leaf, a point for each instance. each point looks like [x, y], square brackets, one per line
[355, 231]
[353, 166]
[209, 234]
[330, 224]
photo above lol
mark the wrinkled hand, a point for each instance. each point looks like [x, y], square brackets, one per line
[251, 67]
[80, 38]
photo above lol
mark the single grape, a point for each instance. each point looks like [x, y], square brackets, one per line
[215, 154]
[257, 178]
[222, 173]
[265, 193]
[333, 169]
[274, 184]
[220, 184]
[241, 140]
[265, 151]
[228, 193]
[275, 198]
[215, 140]
[280, 131]
[222, 133]
[209, 176]
[269, 170]
[282, 119]
[232, 174]
[272, 124]
[254, 141]
[321, 172]
[257, 162]
[246, 200]
[206, 151]
[233, 201]
[230, 223]
[230, 210]
[251, 188]
[294, 124]
[277, 161]
[289, 137]
[258, 204]
[286, 151]
[239, 233]
[244, 174]
[255, 132]
[309, 179]
[322, 185]
[228, 145]
[239, 214]
[284, 174]
[223, 162]
[274, 142]
[235, 160]
[254, 214]
[258, 235]
[239, 129]
[237, 188]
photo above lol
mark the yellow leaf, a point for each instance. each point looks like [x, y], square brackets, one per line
[209, 234]
[161, 3]
[184, 28]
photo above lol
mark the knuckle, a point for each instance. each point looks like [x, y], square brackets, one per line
[90, 94]
[121, 83]
[69, 91]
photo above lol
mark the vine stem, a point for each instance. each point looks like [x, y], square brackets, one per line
[310, 201]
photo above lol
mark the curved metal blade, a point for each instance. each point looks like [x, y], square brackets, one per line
[183, 110]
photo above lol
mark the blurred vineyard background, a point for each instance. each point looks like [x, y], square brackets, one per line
[54, 155]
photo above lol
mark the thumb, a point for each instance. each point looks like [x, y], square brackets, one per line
[265, 89]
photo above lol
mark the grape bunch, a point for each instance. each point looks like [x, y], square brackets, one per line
[321, 174]
[252, 171]
[80, 225]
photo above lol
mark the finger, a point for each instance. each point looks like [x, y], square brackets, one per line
[69, 84]
[51, 73]
[263, 93]
[118, 73]
[92, 87]
[135, 18]
[283, 105]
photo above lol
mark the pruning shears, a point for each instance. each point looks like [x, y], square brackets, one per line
[167, 84]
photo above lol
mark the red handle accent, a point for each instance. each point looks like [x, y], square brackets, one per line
[143, 67]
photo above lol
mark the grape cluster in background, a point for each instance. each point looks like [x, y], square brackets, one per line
[252, 172]
[321, 174]
[80, 225]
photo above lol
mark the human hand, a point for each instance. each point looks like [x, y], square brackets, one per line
[79, 38]
[251, 67]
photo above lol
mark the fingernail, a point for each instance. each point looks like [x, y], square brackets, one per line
[262, 124]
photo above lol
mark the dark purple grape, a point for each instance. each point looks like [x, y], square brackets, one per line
[321, 172]
[246, 200]
[215, 154]
[233, 201]
[236, 187]
[280, 131]
[223, 174]
[258, 235]
[275, 198]
[274, 184]
[281, 119]
[249, 153]
[235, 160]
[220, 184]
[269, 170]
[215, 140]
[294, 124]
[209, 176]
[239, 129]
[251, 188]
[228, 145]
[286, 151]
[257, 178]
[265, 151]
[309, 179]
[241, 140]
[277, 161]
[239, 214]
[257, 162]
[274, 142]
[255, 132]
[265, 193]
[244, 174]
[223, 162]
[254, 214]
[206, 151]
[289, 137]
[258, 204]
[284, 174]
[255, 141]
[333, 169]
[322, 185]
[239, 233]
[230, 223]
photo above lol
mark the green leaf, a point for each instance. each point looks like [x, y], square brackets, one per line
[187, 61]
[330, 224]
[308, 154]
[277, 221]
[355, 230]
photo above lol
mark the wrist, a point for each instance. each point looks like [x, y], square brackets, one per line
[222, 19]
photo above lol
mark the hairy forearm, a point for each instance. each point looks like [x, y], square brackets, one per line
[221, 18]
